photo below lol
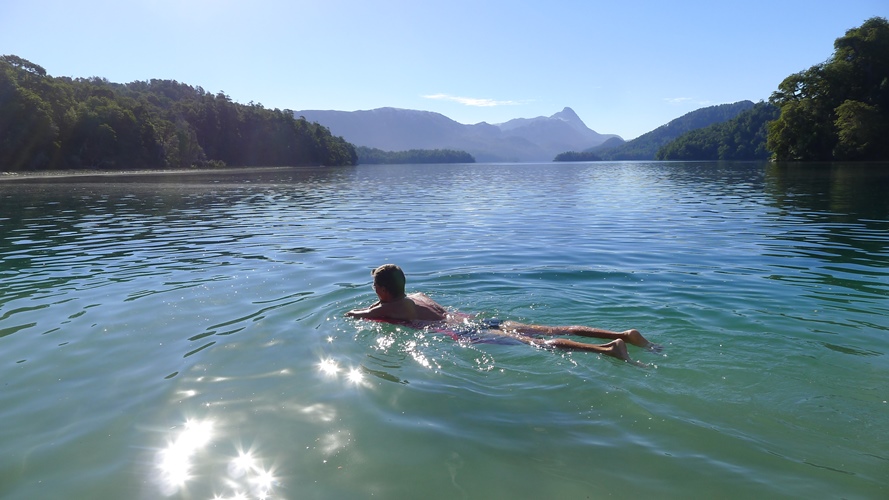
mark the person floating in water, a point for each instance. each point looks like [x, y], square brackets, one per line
[418, 310]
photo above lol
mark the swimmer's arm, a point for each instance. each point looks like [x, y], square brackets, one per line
[375, 311]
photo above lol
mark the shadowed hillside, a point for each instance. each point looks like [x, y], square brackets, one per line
[646, 146]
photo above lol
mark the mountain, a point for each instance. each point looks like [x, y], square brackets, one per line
[744, 137]
[519, 140]
[646, 146]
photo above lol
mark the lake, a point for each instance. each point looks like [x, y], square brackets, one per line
[181, 335]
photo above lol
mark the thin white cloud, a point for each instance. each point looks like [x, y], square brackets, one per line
[685, 100]
[470, 101]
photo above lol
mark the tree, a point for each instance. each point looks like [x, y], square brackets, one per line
[741, 138]
[861, 133]
[368, 155]
[18, 62]
[577, 156]
[27, 129]
[63, 123]
[646, 146]
[835, 110]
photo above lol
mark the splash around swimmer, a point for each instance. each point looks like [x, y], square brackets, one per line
[418, 310]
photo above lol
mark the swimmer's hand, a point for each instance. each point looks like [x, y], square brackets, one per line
[367, 312]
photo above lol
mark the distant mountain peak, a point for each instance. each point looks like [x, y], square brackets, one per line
[567, 115]
[521, 139]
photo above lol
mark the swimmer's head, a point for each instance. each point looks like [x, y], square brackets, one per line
[390, 277]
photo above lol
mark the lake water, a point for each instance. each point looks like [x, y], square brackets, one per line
[182, 335]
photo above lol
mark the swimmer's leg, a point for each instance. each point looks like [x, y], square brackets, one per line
[616, 348]
[629, 336]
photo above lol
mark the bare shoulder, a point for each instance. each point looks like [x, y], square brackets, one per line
[414, 307]
[426, 308]
[423, 300]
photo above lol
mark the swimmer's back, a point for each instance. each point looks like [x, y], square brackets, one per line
[424, 309]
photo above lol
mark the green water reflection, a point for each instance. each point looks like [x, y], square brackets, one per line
[182, 335]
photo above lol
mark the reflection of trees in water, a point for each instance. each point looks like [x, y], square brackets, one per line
[831, 191]
[836, 215]
[88, 231]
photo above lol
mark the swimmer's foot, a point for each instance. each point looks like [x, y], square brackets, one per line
[618, 349]
[636, 338]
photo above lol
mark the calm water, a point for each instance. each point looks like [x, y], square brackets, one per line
[182, 335]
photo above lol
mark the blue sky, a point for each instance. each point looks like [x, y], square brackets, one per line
[625, 66]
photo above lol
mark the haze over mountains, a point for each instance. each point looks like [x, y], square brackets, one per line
[518, 140]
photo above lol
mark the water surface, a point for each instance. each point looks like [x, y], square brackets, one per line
[182, 335]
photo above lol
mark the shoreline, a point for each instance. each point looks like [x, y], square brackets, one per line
[61, 174]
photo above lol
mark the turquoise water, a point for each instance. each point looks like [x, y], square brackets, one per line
[182, 335]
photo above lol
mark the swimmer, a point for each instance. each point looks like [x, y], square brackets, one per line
[418, 310]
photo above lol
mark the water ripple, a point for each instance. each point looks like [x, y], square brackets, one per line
[129, 307]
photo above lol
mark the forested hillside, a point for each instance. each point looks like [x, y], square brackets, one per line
[368, 155]
[577, 156]
[838, 110]
[646, 146]
[741, 138]
[58, 123]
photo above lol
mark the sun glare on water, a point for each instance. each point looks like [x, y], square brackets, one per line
[331, 368]
[176, 460]
[244, 478]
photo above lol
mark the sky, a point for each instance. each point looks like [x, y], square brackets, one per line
[624, 66]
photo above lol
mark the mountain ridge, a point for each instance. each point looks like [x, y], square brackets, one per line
[646, 146]
[517, 140]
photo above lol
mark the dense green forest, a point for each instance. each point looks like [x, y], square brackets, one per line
[741, 138]
[646, 146]
[577, 156]
[837, 110]
[368, 155]
[59, 123]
